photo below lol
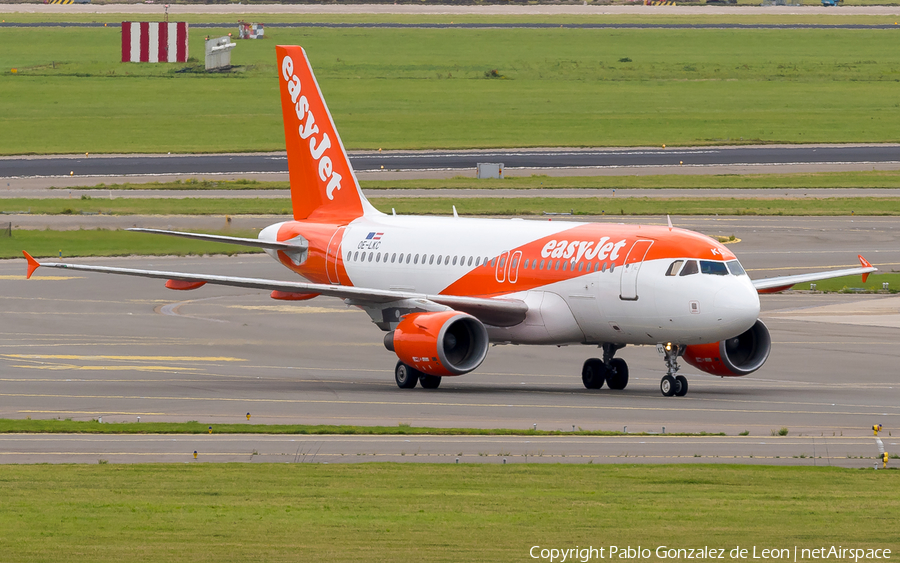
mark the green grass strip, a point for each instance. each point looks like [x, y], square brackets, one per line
[605, 205]
[8, 425]
[642, 206]
[854, 284]
[43, 244]
[194, 512]
[560, 87]
[859, 179]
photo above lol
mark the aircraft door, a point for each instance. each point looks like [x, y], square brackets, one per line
[333, 255]
[500, 272]
[631, 268]
[514, 266]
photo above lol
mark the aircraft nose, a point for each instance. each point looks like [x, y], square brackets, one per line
[739, 300]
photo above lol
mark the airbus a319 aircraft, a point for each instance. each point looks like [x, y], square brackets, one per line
[444, 288]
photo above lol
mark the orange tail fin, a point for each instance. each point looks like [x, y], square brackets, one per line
[323, 185]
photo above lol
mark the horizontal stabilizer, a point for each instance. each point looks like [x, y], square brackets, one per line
[270, 245]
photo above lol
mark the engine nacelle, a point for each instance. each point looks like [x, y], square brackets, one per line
[740, 355]
[442, 343]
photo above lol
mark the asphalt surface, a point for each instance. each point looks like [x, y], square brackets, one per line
[258, 163]
[87, 346]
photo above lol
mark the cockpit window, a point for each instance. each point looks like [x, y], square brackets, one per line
[690, 267]
[735, 268]
[674, 267]
[714, 268]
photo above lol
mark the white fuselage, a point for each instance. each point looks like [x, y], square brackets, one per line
[578, 279]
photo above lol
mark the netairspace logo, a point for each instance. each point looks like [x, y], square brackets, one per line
[628, 553]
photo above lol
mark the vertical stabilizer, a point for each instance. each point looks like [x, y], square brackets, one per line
[323, 185]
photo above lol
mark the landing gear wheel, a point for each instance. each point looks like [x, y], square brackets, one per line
[406, 376]
[593, 374]
[617, 375]
[681, 386]
[667, 385]
[430, 381]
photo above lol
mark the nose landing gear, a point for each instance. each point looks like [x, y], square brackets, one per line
[671, 384]
[610, 370]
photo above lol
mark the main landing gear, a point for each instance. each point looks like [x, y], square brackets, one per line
[609, 370]
[407, 377]
[671, 384]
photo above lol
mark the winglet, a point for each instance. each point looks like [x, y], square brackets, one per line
[865, 264]
[669, 220]
[32, 265]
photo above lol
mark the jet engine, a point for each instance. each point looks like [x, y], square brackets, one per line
[740, 355]
[441, 343]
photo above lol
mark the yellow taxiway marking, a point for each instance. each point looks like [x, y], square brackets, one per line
[61, 367]
[125, 358]
[40, 278]
[290, 309]
[99, 413]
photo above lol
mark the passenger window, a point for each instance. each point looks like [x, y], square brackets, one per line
[394, 257]
[400, 261]
[735, 268]
[439, 260]
[494, 261]
[690, 268]
[371, 255]
[565, 265]
[470, 261]
[416, 261]
[378, 257]
[612, 266]
[556, 265]
[454, 260]
[514, 263]
[580, 266]
[431, 260]
[604, 267]
[713, 268]
[356, 256]
[674, 267]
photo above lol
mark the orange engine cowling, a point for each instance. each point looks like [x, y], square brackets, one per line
[740, 355]
[442, 343]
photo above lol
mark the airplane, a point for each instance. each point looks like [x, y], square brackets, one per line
[444, 288]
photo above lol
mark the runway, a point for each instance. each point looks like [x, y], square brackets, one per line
[81, 346]
[456, 160]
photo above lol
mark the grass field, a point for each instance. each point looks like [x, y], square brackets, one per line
[428, 512]
[9, 425]
[606, 205]
[421, 88]
[865, 179]
[99, 242]
[854, 283]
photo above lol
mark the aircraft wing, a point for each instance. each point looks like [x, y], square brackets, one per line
[780, 283]
[497, 312]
